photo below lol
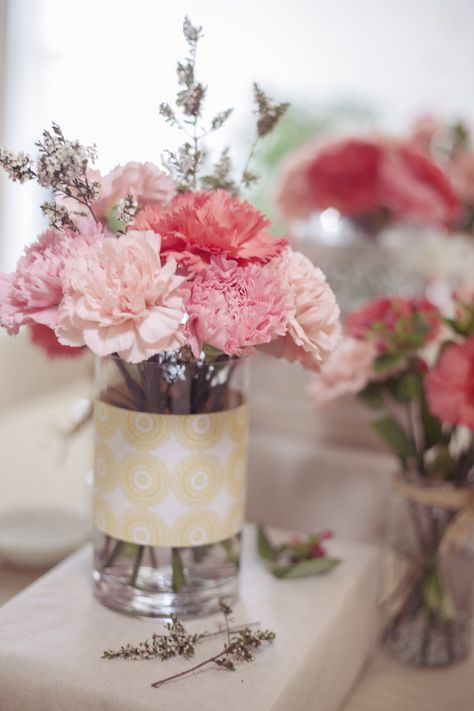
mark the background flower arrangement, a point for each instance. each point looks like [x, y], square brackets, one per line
[414, 366]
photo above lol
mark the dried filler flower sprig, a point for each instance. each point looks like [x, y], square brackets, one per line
[185, 163]
[240, 644]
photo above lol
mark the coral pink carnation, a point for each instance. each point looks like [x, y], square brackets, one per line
[234, 308]
[120, 299]
[33, 292]
[347, 371]
[450, 385]
[201, 225]
[47, 340]
[144, 181]
[313, 315]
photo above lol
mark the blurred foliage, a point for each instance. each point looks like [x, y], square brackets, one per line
[299, 126]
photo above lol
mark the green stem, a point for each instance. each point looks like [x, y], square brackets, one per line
[115, 551]
[178, 578]
[136, 565]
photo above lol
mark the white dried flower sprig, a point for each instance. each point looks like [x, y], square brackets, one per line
[126, 211]
[18, 166]
[62, 167]
[186, 163]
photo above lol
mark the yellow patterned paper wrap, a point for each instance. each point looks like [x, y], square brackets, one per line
[169, 480]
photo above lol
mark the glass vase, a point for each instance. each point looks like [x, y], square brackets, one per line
[429, 585]
[169, 484]
[379, 258]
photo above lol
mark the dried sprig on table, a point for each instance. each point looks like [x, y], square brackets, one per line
[298, 557]
[239, 646]
[186, 163]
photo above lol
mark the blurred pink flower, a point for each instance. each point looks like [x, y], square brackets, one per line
[413, 187]
[144, 181]
[395, 320]
[461, 172]
[32, 293]
[450, 385]
[313, 315]
[347, 371]
[46, 339]
[201, 225]
[361, 176]
[120, 299]
[233, 307]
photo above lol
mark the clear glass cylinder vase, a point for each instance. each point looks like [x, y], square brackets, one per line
[427, 603]
[169, 483]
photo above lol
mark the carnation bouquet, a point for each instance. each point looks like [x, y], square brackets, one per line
[171, 278]
[414, 366]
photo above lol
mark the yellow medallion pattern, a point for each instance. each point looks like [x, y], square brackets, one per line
[169, 480]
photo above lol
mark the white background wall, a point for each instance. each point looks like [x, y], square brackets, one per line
[101, 67]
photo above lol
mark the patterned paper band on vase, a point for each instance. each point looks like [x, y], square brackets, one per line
[169, 480]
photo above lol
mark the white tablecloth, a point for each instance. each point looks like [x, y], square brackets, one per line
[52, 636]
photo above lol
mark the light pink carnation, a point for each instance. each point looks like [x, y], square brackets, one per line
[144, 181]
[234, 308]
[347, 371]
[33, 292]
[313, 314]
[120, 299]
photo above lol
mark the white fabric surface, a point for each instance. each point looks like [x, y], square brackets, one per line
[52, 636]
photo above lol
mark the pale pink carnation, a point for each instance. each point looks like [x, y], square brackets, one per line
[313, 315]
[234, 308]
[32, 293]
[144, 181]
[346, 372]
[120, 299]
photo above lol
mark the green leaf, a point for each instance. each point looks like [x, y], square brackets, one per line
[178, 579]
[265, 549]
[232, 554]
[305, 568]
[372, 395]
[393, 433]
[432, 427]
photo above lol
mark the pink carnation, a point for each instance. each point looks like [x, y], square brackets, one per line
[33, 292]
[120, 299]
[144, 181]
[313, 315]
[347, 371]
[388, 318]
[450, 385]
[47, 340]
[234, 308]
[199, 226]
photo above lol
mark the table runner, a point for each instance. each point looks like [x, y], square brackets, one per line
[52, 636]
